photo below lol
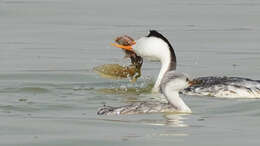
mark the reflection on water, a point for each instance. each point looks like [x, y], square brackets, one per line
[176, 120]
[169, 119]
[128, 90]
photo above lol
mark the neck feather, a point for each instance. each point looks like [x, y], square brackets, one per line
[168, 63]
[174, 99]
[173, 62]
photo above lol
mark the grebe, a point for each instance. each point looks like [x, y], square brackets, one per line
[171, 83]
[156, 47]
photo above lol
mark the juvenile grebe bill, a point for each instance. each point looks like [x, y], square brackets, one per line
[156, 46]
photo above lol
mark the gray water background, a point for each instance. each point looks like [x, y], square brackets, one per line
[49, 94]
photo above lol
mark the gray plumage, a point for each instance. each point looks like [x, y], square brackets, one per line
[232, 87]
[138, 107]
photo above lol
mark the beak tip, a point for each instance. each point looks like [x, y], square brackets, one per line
[128, 48]
[191, 83]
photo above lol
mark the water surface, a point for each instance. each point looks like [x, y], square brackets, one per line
[49, 94]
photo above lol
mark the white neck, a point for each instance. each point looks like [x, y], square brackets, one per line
[156, 49]
[174, 99]
[165, 66]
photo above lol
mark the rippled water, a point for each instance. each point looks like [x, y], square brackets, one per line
[49, 94]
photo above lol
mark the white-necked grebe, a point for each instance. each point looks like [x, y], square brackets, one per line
[155, 46]
[172, 82]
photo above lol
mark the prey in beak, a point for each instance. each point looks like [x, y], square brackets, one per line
[116, 71]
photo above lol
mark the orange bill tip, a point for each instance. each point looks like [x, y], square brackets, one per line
[128, 48]
[192, 83]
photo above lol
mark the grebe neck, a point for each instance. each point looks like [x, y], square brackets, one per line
[175, 100]
[168, 63]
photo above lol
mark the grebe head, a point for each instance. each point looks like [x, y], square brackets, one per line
[154, 47]
[175, 81]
